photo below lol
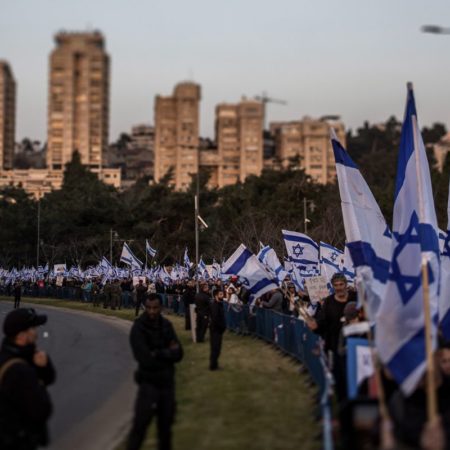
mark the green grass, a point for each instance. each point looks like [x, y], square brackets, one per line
[258, 401]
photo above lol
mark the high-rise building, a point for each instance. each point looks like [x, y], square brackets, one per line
[7, 115]
[239, 135]
[306, 144]
[78, 103]
[177, 134]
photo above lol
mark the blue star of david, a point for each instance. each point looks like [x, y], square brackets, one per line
[298, 250]
[406, 284]
[387, 232]
[333, 256]
[244, 281]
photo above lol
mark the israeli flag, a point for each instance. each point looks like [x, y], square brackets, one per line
[301, 249]
[347, 266]
[186, 260]
[244, 264]
[400, 324]
[368, 237]
[129, 258]
[444, 305]
[269, 258]
[150, 251]
[330, 260]
[442, 238]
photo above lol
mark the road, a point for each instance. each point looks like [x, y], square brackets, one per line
[94, 392]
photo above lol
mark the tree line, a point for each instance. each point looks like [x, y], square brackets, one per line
[76, 221]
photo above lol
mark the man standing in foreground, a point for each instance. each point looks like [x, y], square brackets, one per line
[25, 372]
[217, 327]
[156, 348]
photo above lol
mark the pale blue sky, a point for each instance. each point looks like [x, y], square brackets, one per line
[347, 57]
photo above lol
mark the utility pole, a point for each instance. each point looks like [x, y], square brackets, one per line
[110, 244]
[38, 229]
[196, 212]
[304, 215]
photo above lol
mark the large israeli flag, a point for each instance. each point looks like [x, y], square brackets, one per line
[444, 304]
[244, 264]
[400, 324]
[150, 251]
[269, 259]
[368, 237]
[301, 249]
[129, 258]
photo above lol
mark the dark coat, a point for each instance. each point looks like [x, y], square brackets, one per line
[202, 303]
[217, 322]
[150, 342]
[25, 404]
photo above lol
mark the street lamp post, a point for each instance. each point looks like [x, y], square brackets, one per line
[38, 230]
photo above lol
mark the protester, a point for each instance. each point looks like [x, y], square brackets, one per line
[217, 327]
[202, 306]
[275, 302]
[188, 299]
[156, 348]
[17, 294]
[25, 373]
[141, 291]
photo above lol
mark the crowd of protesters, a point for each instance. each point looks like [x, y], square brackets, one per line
[335, 318]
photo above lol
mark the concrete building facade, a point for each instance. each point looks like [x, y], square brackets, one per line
[306, 144]
[7, 115]
[78, 99]
[239, 137]
[177, 134]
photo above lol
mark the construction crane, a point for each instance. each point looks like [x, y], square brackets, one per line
[264, 99]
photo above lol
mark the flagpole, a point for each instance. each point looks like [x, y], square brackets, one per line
[387, 438]
[430, 377]
[196, 207]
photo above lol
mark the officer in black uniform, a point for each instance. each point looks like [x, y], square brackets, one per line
[202, 305]
[25, 373]
[156, 348]
[217, 327]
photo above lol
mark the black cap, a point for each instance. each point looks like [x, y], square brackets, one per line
[21, 319]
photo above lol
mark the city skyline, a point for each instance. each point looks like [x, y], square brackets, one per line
[348, 59]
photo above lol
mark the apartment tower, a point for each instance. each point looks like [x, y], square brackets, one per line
[7, 115]
[177, 134]
[239, 135]
[78, 103]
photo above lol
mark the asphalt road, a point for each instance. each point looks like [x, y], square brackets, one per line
[94, 393]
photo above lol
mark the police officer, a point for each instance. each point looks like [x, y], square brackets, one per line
[25, 372]
[217, 327]
[156, 348]
[141, 290]
[202, 304]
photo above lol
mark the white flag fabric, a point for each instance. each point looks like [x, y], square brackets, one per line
[330, 260]
[444, 304]
[400, 324]
[368, 237]
[269, 258]
[244, 264]
[150, 251]
[129, 258]
[301, 249]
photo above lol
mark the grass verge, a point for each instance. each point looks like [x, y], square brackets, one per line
[258, 401]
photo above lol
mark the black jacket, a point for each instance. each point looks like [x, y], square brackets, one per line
[150, 342]
[25, 404]
[217, 322]
[329, 320]
[202, 303]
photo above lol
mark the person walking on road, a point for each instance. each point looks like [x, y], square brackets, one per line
[25, 373]
[156, 348]
[217, 327]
